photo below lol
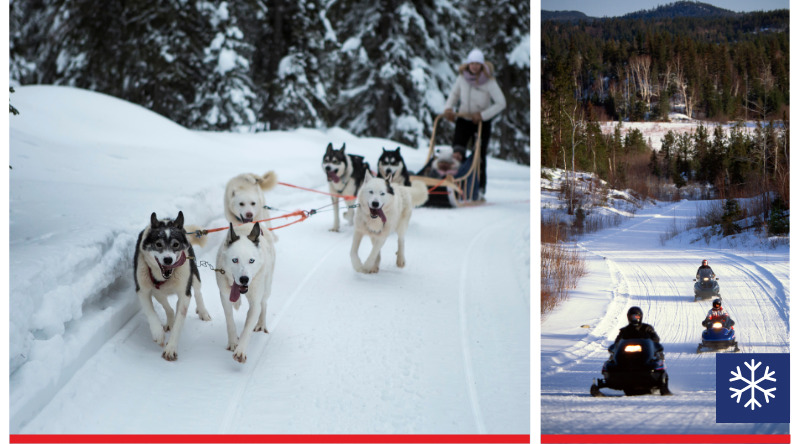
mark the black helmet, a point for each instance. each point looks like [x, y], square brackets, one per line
[717, 303]
[705, 262]
[635, 315]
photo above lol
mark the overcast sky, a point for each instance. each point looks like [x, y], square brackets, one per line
[613, 8]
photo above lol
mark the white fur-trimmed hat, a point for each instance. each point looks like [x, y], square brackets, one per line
[475, 56]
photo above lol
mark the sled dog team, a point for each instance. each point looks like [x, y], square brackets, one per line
[165, 264]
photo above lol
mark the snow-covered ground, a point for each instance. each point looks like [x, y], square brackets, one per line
[629, 266]
[440, 346]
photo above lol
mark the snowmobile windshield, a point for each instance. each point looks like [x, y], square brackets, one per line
[706, 274]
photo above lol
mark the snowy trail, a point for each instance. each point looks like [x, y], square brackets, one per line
[341, 348]
[632, 268]
[346, 352]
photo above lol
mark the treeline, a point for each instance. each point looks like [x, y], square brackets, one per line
[375, 68]
[707, 68]
[738, 163]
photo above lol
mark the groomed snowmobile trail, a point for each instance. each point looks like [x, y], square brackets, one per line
[628, 266]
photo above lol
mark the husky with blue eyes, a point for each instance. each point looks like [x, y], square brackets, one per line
[247, 261]
[164, 265]
[383, 208]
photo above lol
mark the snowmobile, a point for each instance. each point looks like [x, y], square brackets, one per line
[456, 190]
[635, 367]
[718, 337]
[706, 285]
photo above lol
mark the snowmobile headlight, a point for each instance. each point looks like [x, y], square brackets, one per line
[633, 348]
[705, 279]
[717, 325]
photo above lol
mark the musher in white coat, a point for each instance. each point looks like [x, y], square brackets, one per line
[477, 93]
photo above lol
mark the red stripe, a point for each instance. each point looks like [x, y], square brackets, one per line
[289, 439]
[666, 439]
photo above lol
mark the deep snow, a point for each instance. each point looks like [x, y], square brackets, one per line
[440, 346]
[627, 266]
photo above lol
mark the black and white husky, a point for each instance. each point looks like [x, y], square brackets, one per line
[346, 173]
[163, 265]
[392, 165]
[247, 258]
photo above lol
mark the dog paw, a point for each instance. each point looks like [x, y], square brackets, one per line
[232, 345]
[158, 337]
[371, 270]
[204, 316]
[261, 327]
[401, 262]
[240, 356]
[170, 355]
[335, 230]
[166, 327]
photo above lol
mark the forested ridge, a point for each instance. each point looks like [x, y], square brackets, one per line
[375, 68]
[716, 69]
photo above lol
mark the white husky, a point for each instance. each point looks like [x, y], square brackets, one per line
[163, 265]
[383, 208]
[248, 262]
[244, 199]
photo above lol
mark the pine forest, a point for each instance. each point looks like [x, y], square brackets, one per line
[725, 73]
[380, 68]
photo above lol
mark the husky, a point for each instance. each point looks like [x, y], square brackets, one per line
[391, 164]
[346, 173]
[383, 208]
[164, 264]
[244, 199]
[247, 262]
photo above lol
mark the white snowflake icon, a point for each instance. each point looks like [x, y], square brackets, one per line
[752, 384]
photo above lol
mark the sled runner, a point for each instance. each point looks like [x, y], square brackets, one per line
[452, 190]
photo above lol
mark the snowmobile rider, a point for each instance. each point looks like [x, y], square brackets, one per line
[704, 266]
[718, 313]
[638, 330]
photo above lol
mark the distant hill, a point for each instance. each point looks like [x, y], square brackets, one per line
[681, 9]
[564, 16]
[671, 10]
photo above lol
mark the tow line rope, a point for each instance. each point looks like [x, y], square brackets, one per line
[343, 196]
[300, 214]
[303, 215]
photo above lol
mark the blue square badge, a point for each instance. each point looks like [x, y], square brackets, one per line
[753, 387]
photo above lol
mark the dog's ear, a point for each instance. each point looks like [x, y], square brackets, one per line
[397, 150]
[179, 220]
[330, 147]
[384, 149]
[254, 233]
[232, 237]
[342, 148]
[153, 220]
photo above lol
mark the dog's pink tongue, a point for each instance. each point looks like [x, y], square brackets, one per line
[181, 260]
[378, 212]
[235, 292]
[333, 177]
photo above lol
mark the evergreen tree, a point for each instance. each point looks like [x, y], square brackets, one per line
[226, 99]
[292, 65]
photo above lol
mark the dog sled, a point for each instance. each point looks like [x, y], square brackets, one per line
[452, 190]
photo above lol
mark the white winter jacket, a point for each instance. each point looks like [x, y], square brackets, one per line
[486, 99]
